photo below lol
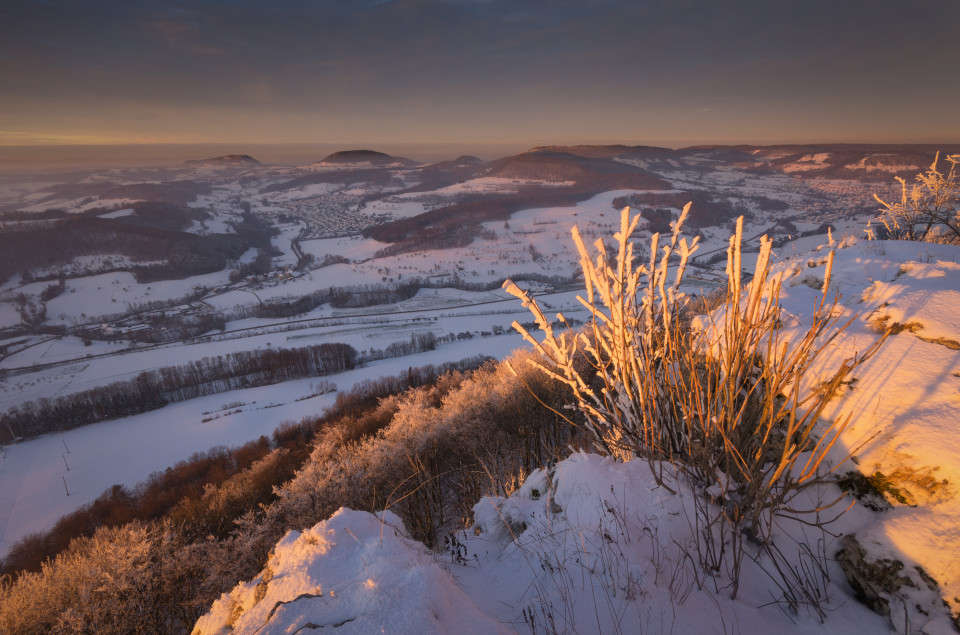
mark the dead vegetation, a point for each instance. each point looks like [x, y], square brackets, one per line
[722, 404]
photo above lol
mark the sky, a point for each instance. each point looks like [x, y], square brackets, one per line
[495, 72]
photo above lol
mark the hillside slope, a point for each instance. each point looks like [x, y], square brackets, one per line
[593, 545]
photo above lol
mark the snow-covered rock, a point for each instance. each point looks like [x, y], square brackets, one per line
[903, 402]
[356, 572]
[590, 546]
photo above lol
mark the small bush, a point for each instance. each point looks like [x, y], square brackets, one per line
[930, 210]
[719, 403]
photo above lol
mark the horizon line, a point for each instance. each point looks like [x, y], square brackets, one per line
[670, 143]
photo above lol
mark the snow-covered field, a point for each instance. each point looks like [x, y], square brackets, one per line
[353, 247]
[93, 297]
[441, 311]
[396, 207]
[8, 315]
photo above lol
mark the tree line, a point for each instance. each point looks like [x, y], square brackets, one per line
[360, 296]
[199, 378]
[156, 388]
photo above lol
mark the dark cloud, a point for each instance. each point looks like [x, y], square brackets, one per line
[476, 66]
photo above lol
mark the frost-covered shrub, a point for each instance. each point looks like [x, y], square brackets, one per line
[718, 399]
[930, 210]
[429, 454]
[140, 578]
[221, 504]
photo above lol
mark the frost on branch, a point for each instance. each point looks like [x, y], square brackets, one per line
[718, 398]
[930, 210]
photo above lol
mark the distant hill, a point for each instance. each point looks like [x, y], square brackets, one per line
[593, 168]
[557, 177]
[446, 173]
[464, 161]
[604, 151]
[348, 167]
[366, 156]
[227, 160]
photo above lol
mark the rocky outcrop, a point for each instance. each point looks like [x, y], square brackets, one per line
[909, 596]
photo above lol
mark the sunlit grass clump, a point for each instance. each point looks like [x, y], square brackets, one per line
[718, 399]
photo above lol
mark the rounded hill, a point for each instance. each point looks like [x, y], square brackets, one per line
[364, 156]
[232, 160]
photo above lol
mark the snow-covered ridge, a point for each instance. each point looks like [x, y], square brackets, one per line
[594, 546]
[487, 185]
[808, 162]
[882, 163]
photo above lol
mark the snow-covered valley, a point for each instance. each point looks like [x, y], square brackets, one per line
[257, 260]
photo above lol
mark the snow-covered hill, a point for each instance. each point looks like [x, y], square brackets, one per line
[593, 545]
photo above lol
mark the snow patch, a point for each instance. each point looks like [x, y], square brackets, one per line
[808, 162]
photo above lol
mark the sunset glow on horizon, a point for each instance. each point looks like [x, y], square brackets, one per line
[462, 71]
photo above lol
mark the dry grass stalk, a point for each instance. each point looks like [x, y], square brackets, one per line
[724, 402]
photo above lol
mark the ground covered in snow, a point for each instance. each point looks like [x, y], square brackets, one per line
[590, 546]
[593, 545]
